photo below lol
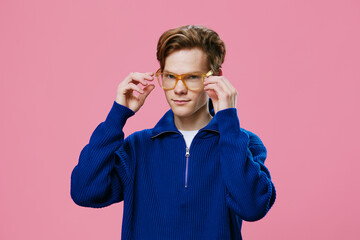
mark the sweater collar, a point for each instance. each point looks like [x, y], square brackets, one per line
[167, 125]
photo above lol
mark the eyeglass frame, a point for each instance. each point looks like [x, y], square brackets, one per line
[181, 77]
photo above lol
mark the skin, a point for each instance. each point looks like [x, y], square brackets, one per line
[194, 114]
[130, 94]
[190, 107]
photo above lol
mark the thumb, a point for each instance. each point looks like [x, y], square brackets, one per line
[147, 90]
[212, 94]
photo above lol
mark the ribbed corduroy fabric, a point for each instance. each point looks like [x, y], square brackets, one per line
[168, 195]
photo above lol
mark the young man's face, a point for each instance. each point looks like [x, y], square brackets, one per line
[183, 102]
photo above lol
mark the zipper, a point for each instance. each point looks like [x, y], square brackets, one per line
[187, 154]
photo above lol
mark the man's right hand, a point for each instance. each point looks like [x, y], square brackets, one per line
[126, 90]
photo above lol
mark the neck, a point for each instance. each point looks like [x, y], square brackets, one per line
[196, 121]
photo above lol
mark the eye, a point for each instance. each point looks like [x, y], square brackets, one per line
[193, 77]
[168, 75]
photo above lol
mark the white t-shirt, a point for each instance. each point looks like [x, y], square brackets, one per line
[188, 136]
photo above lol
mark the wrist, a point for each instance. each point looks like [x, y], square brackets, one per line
[229, 119]
[118, 115]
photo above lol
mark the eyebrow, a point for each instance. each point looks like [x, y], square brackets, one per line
[181, 74]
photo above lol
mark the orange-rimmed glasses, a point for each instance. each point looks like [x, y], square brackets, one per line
[192, 81]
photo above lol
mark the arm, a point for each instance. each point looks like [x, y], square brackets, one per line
[102, 173]
[251, 192]
[97, 181]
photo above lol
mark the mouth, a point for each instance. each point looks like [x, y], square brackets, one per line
[180, 102]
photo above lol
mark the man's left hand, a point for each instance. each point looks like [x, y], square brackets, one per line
[221, 92]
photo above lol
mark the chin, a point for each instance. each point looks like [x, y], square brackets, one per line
[181, 111]
[190, 109]
[186, 111]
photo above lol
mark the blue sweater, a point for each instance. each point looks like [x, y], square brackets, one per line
[169, 191]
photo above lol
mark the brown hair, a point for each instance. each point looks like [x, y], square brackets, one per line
[192, 36]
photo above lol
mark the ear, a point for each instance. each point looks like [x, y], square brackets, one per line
[220, 72]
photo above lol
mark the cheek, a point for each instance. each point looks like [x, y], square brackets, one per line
[167, 96]
[202, 98]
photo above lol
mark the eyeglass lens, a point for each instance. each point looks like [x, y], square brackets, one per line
[192, 81]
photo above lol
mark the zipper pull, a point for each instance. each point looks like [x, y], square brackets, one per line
[187, 154]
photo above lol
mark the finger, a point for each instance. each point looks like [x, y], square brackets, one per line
[229, 85]
[139, 78]
[212, 80]
[149, 76]
[216, 79]
[147, 91]
[226, 100]
[215, 88]
[133, 87]
[219, 81]
[212, 94]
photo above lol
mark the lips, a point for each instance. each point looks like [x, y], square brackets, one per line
[180, 101]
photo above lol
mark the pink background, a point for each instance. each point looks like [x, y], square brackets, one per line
[295, 64]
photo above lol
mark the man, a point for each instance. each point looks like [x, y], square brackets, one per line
[196, 174]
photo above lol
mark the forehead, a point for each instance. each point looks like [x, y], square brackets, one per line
[186, 61]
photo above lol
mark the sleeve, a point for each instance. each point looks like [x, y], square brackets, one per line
[250, 191]
[98, 179]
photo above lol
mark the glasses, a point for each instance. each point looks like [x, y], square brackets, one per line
[192, 81]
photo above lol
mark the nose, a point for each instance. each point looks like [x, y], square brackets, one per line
[180, 88]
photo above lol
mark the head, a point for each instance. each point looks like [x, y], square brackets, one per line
[189, 49]
[192, 36]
